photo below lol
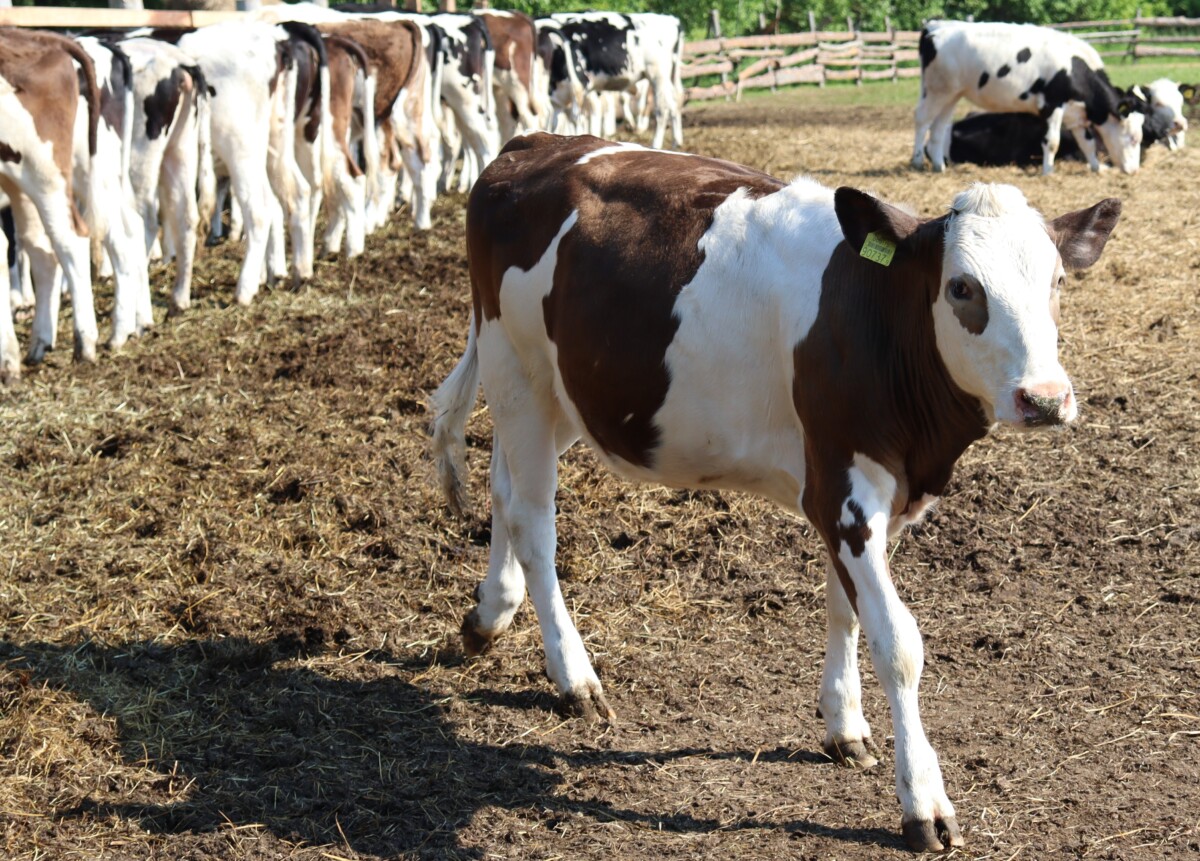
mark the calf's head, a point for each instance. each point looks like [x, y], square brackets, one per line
[995, 303]
[1122, 134]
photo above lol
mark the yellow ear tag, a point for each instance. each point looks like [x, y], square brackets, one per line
[878, 249]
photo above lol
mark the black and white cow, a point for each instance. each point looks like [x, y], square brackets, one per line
[108, 206]
[464, 81]
[1017, 139]
[616, 51]
[171, 168]
[563, 70]
[1026, 69]
[1166, 100]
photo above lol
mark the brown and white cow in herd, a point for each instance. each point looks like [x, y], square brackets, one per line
[39, 92]
[704, 325]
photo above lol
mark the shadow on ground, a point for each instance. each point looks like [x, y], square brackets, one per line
[373, 765]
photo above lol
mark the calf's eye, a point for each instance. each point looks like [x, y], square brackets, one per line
[958, 290]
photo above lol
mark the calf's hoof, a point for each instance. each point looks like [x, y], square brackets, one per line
[476, 641]
[588, 703]
[85, 349]
[37, 352]
[10, 371]
[852, 753]
[923, 835]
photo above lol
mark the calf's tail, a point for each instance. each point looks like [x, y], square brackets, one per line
[451, 405]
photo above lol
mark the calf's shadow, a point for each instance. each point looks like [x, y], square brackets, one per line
[374, 765]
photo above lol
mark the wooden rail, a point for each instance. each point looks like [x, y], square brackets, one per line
[1140, 37]
[800, 58]
[818, 56]
[79, 17]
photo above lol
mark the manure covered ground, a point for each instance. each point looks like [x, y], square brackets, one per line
[230, 593]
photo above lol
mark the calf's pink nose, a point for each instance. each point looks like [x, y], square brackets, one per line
[1044, 404]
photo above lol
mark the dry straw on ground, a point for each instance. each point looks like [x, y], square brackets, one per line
[230, 595]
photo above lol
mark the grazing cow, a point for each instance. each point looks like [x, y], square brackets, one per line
[521, 92]
[1166, 98]
[561, 68]
[397, 47]
[172, 153]
[705, 325]
[39, 93]
[108, 206]
[467, 63]
[1026, 69]
[250, 68]
[618, 50]
[395, 50]
[349, 72]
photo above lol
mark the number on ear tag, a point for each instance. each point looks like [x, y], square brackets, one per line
[878, 249]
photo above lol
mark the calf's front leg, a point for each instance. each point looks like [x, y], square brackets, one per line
[847, 735]
[857, 539]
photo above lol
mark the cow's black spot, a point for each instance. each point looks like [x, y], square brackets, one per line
[1023, 55]
[1087, 133]
[926, 48]
[1003, 71]
[162, 104]
[7, 153]
[983, 79]
[600, 46]
[1038, 85]
[1025, 95]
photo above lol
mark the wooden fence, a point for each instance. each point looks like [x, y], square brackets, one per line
[816, 57]
[1138, 38]
[759, 62]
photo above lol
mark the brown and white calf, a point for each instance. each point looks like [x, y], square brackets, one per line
[701, 324]
[39, 92]
[522, 94]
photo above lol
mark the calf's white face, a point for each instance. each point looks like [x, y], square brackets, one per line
[1122, 138]
[995, 315]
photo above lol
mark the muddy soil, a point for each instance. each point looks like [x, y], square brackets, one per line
[230, 594]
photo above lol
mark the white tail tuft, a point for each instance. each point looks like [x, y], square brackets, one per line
[206, 175]
[451, 405]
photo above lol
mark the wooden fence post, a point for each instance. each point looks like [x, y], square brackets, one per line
[714, 23]
[812, 22]
[1137, 17]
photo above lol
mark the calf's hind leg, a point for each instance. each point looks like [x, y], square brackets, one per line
[530, 432]
[502, 591]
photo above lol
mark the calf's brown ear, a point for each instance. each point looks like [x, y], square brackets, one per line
[860, 214]
[1081, 235]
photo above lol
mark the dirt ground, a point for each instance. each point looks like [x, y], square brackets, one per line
[230, 595]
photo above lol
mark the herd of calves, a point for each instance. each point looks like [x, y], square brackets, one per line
[116, 146]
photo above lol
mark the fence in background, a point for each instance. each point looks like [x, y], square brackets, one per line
[1139, 38]
[817, 57]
